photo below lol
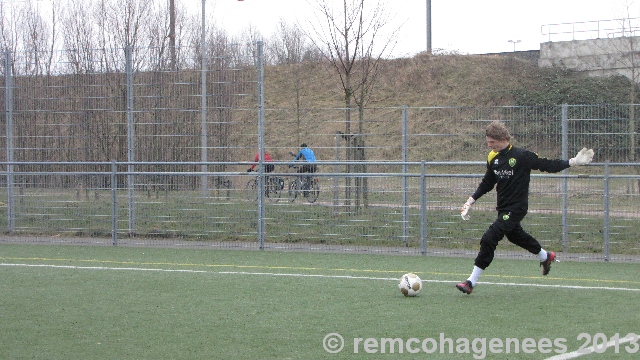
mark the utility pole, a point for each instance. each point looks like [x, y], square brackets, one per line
[429, 27]
[172, 33]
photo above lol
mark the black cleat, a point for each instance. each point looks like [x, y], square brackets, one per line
[546, 265]
[465, 287]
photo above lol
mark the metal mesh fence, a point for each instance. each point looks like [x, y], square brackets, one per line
[147, 156]
[416, 216]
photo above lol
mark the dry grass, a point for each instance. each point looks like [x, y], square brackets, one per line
[424, 80]
[421, 81]
[463, 88]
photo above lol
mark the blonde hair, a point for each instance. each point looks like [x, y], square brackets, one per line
[498, 130]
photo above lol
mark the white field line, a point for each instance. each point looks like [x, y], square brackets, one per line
[591, 349]
[310, 275]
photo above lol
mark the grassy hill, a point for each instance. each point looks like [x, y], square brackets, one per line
[447, 80]
[474, 81]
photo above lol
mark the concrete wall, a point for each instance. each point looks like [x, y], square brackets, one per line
[599, 57]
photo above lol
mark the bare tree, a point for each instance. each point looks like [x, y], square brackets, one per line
[11, 18]
[190, 39]
[80, 25]
[246, 41]
[165, 34]
[38, 39]
[121, 24]
[289, 46]
[349, 39]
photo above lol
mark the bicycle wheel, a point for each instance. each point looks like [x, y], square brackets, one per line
[294, 186]
[274, 188]
[314, 191]
[251, 191]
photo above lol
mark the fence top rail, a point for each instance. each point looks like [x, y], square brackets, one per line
[457, 107]
[321, 175]
[594, 29]
[342, 162]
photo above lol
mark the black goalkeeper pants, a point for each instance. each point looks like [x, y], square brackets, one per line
[507, 225]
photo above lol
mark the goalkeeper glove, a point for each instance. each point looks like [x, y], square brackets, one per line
[466, 207]
[582, 158]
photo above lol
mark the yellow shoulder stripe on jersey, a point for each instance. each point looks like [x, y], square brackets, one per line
[493, 154]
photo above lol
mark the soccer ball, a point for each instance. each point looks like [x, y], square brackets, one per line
[410, 284]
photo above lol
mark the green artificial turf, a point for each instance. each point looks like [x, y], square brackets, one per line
[83, 302]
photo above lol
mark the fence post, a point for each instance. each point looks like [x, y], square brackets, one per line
[8, 101]
[605, 230]
[261, 176]
[423, 209]
[130, 140]
[336, 178]
[114, 204]
[565, 155]
[405, 186]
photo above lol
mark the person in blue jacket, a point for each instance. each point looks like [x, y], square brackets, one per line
[306, 154]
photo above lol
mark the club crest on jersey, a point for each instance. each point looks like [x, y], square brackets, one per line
[495, 161]
[512, 162]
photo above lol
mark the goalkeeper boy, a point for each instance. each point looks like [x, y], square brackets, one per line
[509, 169]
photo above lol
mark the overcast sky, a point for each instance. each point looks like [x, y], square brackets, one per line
[464, 26]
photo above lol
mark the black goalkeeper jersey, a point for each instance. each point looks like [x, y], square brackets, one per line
[509, 171]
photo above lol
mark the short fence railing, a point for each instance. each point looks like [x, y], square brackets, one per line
[596, 29]
[406, 207]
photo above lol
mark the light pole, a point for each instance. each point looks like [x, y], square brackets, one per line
[203, 104]
[429, 27]
[514, 44]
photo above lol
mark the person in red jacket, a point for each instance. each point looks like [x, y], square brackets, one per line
[267, 158]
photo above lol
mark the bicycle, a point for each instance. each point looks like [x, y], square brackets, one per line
[307, 184]
[273, 188]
